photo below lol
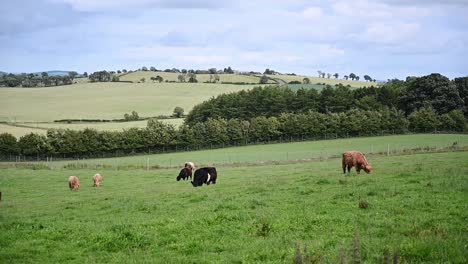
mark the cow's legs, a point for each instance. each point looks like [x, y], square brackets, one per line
[349, 169]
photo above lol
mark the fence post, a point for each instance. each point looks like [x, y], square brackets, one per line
[388, 149]
[147, 164]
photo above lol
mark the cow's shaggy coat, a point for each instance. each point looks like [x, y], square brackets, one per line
[97, 179]
[355, 159]
[205, 175]
[73, 183]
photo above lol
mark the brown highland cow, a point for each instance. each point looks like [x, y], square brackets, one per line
[355, 159]
[73, 183]
[97, 179]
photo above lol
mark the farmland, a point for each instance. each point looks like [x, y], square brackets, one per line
[104, 100]
[171, 76]
[415, 206]
[315, 80]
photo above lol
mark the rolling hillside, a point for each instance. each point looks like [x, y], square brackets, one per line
[104, 100]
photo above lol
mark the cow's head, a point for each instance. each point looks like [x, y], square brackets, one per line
[368, 168]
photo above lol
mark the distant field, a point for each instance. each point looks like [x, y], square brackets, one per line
[104, 100]
[285, 151]
[136, 77]
[20, 131]
[25, 128]
[314, 80]
[414, 205]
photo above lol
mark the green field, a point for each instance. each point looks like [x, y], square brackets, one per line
[285, 152]
[104, 100]
[170, 76]
[315, 80]
[416, 207]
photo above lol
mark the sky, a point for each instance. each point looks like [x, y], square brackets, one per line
[382, 38]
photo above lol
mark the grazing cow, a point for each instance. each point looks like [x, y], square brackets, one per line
[205, 175]
[184, 174]
[73, 183]
[187, 171]
[355, 159]
[97, 179]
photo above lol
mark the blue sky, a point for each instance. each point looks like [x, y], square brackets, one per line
[382, 38]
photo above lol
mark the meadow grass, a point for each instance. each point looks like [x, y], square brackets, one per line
[283, 152]
[416, 206]
[104, 100]
[170, 76]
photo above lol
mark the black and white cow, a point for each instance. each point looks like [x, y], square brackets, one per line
[205, 175]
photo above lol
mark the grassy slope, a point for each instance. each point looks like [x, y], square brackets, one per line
[136, 77]
[315, 80]
[104, 100]
[285, 151]
[417, 205]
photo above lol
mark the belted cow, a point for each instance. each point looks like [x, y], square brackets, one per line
[355, 159]
[205, 175]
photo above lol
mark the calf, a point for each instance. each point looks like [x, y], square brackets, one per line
[73, 183]
[184, 174]
[355, 159]
[97, 179]
[205, 175]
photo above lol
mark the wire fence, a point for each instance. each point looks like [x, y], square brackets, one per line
[262, 154]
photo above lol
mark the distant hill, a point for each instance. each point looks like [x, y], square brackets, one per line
[57, 73]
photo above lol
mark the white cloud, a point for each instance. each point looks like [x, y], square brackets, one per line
[312, 13]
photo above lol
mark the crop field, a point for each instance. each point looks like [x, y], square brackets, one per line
[315, 80]
[104, 100]
[20, 131]
[412, 207]
[26, 128]
[285, 152]
[170, 76]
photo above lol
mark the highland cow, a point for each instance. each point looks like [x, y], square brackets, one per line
[73, 183]
[205, 175]
[355, 159]
[97, 179]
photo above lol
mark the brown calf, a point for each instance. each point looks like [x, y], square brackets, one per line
[73, 183]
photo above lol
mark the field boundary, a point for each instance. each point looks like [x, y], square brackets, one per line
[76, 165]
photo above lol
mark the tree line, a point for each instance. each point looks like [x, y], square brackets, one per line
[218, 132]
[434, 91]
[36, 79]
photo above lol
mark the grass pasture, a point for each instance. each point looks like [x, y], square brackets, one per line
[285, 152]
[104, 100]
[416, 206]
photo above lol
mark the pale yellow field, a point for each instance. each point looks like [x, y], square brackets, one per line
[104, 100]
[20, 131]
[41, 128]
[332, 81]
[136, 77]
